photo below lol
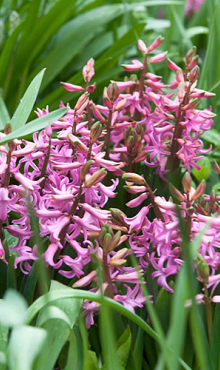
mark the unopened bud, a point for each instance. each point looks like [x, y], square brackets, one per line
[133, 177]
[114, 241]
[187, 183]
[216, 167]
[142, 46]
[156, 43]
[172, 65]
[130, 143]
[113, 91]
[181, 91]
[203, 268]
[106, 242]
[85, 169]
[176, 193]
[192, 104]
[78, 143]
[199, 190]
[212, 198]
[82, 101]
[95, 131]
[117, 217]
[96, 178]
[194, 74]
[194, 62]
[190, 55]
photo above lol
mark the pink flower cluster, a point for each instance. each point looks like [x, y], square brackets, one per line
[71, 168]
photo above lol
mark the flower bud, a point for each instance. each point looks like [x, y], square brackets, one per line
[113, 91]
[194, 74]
[212, 199]
[95, 131]
[158, 58]
[172, 65]
[70, 87]
[114, 241]
[199, 190]
[142, 46]
[156, 43]
[192, 104]
[203, 268]
[179, 76]
[187, 183]
[181, 91]
[106, 242]
[190, 55]
[96, 178]
[216, 167]
[133, 177]
[78, 143]
[85, 169]
[82, 101]
[176, 193]
[117, 217]
[194, 62]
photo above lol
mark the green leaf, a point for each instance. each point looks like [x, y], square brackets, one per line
[25, 107]
[194, 31]
[35, 125]
[215, 348]
[58, 326]
[212, 136]
[4, 334]
[202, 174]
[4, 115]
[216, 188]
[12, 309]
[162, 306]
[123, 347]
[77, 33]
[11, 273]
[52, 312]
[25, 345]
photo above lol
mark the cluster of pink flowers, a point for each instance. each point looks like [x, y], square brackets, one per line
[71, 168]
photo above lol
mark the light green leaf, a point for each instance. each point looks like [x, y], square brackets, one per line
[25, 345]
[35, 125]
[212, 136]
[12, 309]
[194, 31]
[202, 174]
[53, 312]
[27, 102]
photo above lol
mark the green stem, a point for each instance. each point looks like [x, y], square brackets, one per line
[72, 212]
[107, 136]
[44, 168]
[208, 310]
[109, 289]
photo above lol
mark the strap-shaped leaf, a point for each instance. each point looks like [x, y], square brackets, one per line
[35, 125]
[25, 107]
